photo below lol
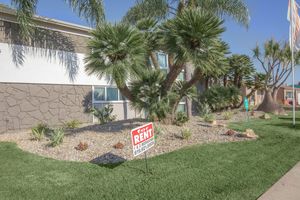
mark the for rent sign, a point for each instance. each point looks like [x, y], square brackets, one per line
[142, 138]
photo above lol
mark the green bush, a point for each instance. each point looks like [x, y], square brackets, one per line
[181, 118]
[186, 134]
[219, 97]
[203, 109]
[104, 115]
[72, 124]
[209, 118]
[227, 115]
[39, 131]
[57, 137]
[37, 134]
[158, 130]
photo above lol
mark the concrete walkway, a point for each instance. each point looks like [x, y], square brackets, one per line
[287, 188]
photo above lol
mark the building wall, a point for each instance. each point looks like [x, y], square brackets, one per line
[44, 80]
[25, 105]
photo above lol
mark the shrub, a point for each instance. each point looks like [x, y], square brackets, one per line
[158, 130]
[82, 146]
[104, 115]
[37, 134]
[203, 109]
[72, 124]
[227, 115]
[57, 137]
[209, 118]
[181, 118]
[39, 131]
[186, 133]
[219, 97]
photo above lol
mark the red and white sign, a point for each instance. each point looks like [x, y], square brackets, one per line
[142, 138]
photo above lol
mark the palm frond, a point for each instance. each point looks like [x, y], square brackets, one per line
[236, 9]
[25, 11]
[90, 10]
[116, 50]
[157, 9]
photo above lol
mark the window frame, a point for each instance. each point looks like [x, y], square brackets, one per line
[105, 95]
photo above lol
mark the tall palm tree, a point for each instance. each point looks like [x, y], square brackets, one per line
[91, 10]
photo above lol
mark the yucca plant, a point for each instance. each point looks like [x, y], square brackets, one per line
[104, 115]
[57, 137]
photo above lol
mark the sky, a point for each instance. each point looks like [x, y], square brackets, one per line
[268, 20]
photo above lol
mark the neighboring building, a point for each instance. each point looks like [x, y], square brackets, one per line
[256, 98]
[285, 95]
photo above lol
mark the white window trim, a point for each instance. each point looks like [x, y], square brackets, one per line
[105, 94]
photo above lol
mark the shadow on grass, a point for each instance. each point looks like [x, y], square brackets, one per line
[288, 125]
[289, 118]
[108, 160]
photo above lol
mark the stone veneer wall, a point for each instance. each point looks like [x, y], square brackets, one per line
[24, 105]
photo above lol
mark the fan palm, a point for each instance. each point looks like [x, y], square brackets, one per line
[193, 36]
[117, 51]
[240, 68]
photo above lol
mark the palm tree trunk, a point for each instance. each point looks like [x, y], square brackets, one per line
[154, 60]
[171, 77]
[188, 77]
[126, 92]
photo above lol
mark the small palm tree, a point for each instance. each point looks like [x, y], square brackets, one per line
[146, 95]
[117, 51]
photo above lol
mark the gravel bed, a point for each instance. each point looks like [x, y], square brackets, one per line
[102, 138]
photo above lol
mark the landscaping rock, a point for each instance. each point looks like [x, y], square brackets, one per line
[249, 133]
[119, 145]
[230, 132]
[265, 116]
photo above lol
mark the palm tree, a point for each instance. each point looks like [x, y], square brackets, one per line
[240, 69]
[90, 10]
[164, 9]
[117, 51]
[275, 60]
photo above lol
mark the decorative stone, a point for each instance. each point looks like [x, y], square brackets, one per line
[249, 133]
[230, 132]
[222, 125]
[26, 106]
[265, 116]
[214, 123]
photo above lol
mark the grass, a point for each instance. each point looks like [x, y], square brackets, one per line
[233, 171]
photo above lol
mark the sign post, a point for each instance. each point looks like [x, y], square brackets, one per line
[246, 105]
[142, 139]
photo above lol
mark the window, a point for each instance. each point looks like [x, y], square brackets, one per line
[162, 60]
[107, 94]
[181, 76]
[99, 94]
[181, 108]
[289, 95]
[112, 94]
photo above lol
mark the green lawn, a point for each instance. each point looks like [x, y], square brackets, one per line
[241, 171]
